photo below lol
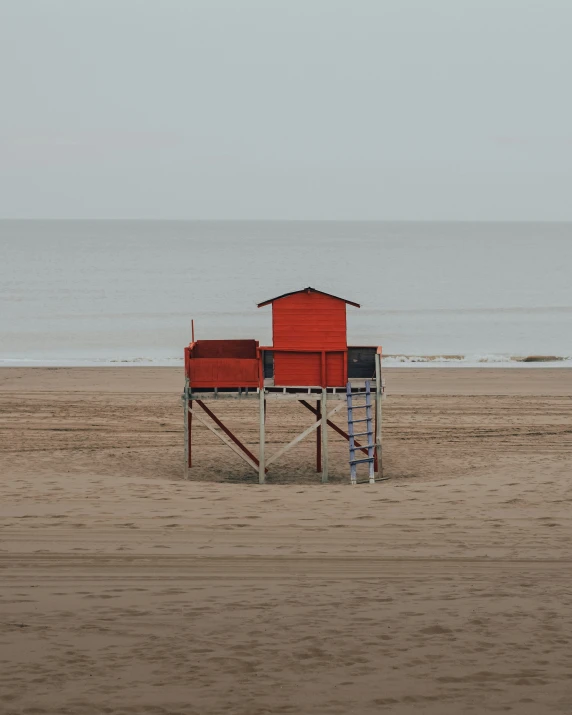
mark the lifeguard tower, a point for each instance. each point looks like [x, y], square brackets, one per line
[309, 360]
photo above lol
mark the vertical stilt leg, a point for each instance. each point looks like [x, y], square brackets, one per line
[378, 393]
[324, 436]
[318, 439]
[186, 427]
[375, 423]
[375, 469]
[190, 430]
[261, 458]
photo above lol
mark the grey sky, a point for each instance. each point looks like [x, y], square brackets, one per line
[318, 109]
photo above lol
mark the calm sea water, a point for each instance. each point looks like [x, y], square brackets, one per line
[91, 292]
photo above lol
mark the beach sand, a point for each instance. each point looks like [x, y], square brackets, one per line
[124, 589]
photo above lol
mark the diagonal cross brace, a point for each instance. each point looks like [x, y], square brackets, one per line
[301, 436]
[237, 447]
[334, 426]
[226, 430]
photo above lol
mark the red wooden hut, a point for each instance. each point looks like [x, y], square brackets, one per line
[309, 338]
[309, 349]
[309, 358]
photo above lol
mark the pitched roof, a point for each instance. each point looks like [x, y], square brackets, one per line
[307, 290]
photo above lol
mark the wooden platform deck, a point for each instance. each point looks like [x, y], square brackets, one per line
[272, 391]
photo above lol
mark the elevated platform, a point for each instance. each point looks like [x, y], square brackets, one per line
[272, 391]
[313, 376]
[240, 369]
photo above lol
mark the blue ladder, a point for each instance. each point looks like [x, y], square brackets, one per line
[367, 421]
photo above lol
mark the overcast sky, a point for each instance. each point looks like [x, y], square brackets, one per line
[295, 109]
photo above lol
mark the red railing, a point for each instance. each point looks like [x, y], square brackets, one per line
[221, 371]
[309, 351]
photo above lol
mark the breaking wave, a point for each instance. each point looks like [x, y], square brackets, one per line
[485, 360]
[492, 360]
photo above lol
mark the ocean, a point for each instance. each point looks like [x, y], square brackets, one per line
[124, 292]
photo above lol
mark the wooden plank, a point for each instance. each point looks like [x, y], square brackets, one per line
[324, 420]
[224, 372]
[318, 436]
[236, 393]
[291, 326]
[262, 463]
[245, 349]
[224, 438]
[271, 393]
[190, 433]
[302, 436]
[303, 368]
[296, 396]
[378, 396]
[186, 426]
[225, 429]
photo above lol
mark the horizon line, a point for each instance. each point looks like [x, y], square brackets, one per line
[285, 220]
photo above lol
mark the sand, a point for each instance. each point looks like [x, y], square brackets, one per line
[445, 590]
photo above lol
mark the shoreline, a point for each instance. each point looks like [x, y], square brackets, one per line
[491, 361]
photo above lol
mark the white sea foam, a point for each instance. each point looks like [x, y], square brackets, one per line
[475, 361]
[411, 361]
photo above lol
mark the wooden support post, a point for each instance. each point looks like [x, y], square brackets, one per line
[318, 439]
[378, 395]
[261, 458]
[324, 436]
[190, 432]
[186, 427]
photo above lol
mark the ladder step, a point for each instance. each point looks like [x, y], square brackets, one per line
[357, 407]
[364, 446]
[352, 422]
[361, 434]
[359, 461]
